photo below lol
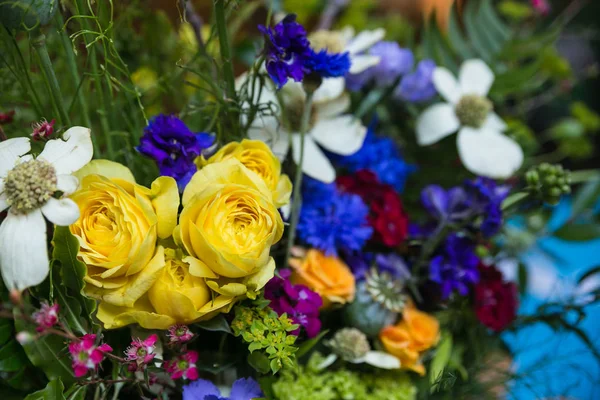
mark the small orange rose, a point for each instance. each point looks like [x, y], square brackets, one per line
[330, 277]
[424, 328]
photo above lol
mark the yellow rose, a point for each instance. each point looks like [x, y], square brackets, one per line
[118, 227]
[178, 293]
[229, 220]
[330, 277]
[258, 158]
[414, 334]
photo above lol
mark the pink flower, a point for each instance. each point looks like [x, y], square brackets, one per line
[180, 334]
[86, 355]
[183, 366]
[46, 317]
[141, 352]
[541, 6]
[42, 130]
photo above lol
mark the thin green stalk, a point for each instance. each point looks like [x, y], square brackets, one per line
[297, 198]
[39, 44]
[30, 89]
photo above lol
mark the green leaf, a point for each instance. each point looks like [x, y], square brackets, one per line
[475, 33]
[26, 14]
[514, 199]
[215, 324]
[70, 309]
[578, 232]
[586, 197]
[441, 359]
[76, 392]
[310, 343]
[523, 278]
[11, 357]
[53, 391]
[457, 38]
[259, 361]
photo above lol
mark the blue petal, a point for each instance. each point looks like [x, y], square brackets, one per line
[245, 389]
[201, 389]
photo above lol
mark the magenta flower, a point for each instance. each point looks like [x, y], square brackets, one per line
[141, 352]
[183, 366]
[86, 355]
[46, 317]
[541, 6]
[42, 130]
[179, 334]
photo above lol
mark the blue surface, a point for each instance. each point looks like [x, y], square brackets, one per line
[557, 364]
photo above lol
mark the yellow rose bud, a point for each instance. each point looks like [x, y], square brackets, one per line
[229, 220]
[330, 277]
[258, 158]
[118, 227]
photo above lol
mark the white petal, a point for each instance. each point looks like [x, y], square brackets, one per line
[489, 153]
[446, 85]
[330, 359]
[343, 135]
[286, 211]
[330, 89]
[67, 183]
[494, 123]
[61, 212]
[315, 163]
[70, 155]
[475, 77]
[23, 252]
[269, 131]
[435, 123]
[383, 360]
[363, 62]
[333, 108]
[364, 40]
[10, 151]
[3, 202]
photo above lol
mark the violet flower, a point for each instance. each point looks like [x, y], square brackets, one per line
[417, 87]
[450, 205]
[455, 267]
[242, 389]
[486, 200]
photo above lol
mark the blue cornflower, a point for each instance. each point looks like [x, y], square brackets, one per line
[455, 267]
[242, 389]
[328, 65]
[382, 156]
[338, 221]
[174, 147]
[417, 87]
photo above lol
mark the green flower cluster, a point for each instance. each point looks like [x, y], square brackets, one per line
[268, 335]
[342, 384]
[549, 182]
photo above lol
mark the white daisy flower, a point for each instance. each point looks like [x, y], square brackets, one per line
[482, 147]
[28, 189]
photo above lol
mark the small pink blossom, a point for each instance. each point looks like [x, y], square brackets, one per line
[183, 366]
[86, 355]
[180, 334]
[141, 352]
[541, 6]
[42, 130]
[46, 317]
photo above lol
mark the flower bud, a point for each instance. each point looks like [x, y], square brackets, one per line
[24, 338]
[549, 182]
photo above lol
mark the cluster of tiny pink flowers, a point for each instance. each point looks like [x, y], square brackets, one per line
[86, 354]
[42, 130]
[141, 352]
[183, 366]
[46, 317]
[179, 334]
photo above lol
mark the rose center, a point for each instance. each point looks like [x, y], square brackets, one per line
[472, 110]
[29, 185]
[327, 40]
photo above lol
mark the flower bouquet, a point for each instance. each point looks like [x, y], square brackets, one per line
[238, 202]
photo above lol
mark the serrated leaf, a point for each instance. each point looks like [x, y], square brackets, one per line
[578, 232]
[70, 309]
[440, 359]
[53, 391]
[215, 324]
[310, 343]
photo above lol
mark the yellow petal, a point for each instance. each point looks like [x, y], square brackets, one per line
[283, 191]
[165, 199]
[229, 289]
[259, 279]
[199, 268]
[107, 168]
[142, 313]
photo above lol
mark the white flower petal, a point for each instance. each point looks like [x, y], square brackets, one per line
[3, 199]
[494, 123]
[343, 135]
[269, 131]
[346, 33]
[364, 40]
[10, 151]
[333, 108]
[363, 62]
[383, 360]
[67, 183]
[70, 155]
[315, 163]
[61, 212]
[330, 89]
[489, 153]
[475, 77]
[330, 359]
[23, 252]
[435, 123]
[446, 85]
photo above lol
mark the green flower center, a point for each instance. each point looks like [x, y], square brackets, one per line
[472, 110]
[29, 185]
[182, 365]
[141, 352]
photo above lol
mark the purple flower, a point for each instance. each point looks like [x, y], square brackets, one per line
[174, 147]
[286, 50]
[242, 389]
[297, 301]
[455, 267]
[361, 263]
[450, 205]
[394, 62]
[486, 198]
[417, 87]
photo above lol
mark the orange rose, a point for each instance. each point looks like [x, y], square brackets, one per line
[328, 276]
[414, 334]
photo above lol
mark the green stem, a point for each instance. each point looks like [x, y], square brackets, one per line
[39, 43]
[297, 198]
[35, 100]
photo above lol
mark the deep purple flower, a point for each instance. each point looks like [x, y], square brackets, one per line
[486, 198]
[450, 205]
[174, 147]
[297, 301]
[361, 263]
[455, 267]
[328, 65]
[242, 389]
[417, 87]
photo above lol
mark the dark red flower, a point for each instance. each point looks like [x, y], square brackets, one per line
[7, 117]
[496, 301]
[387, 216]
